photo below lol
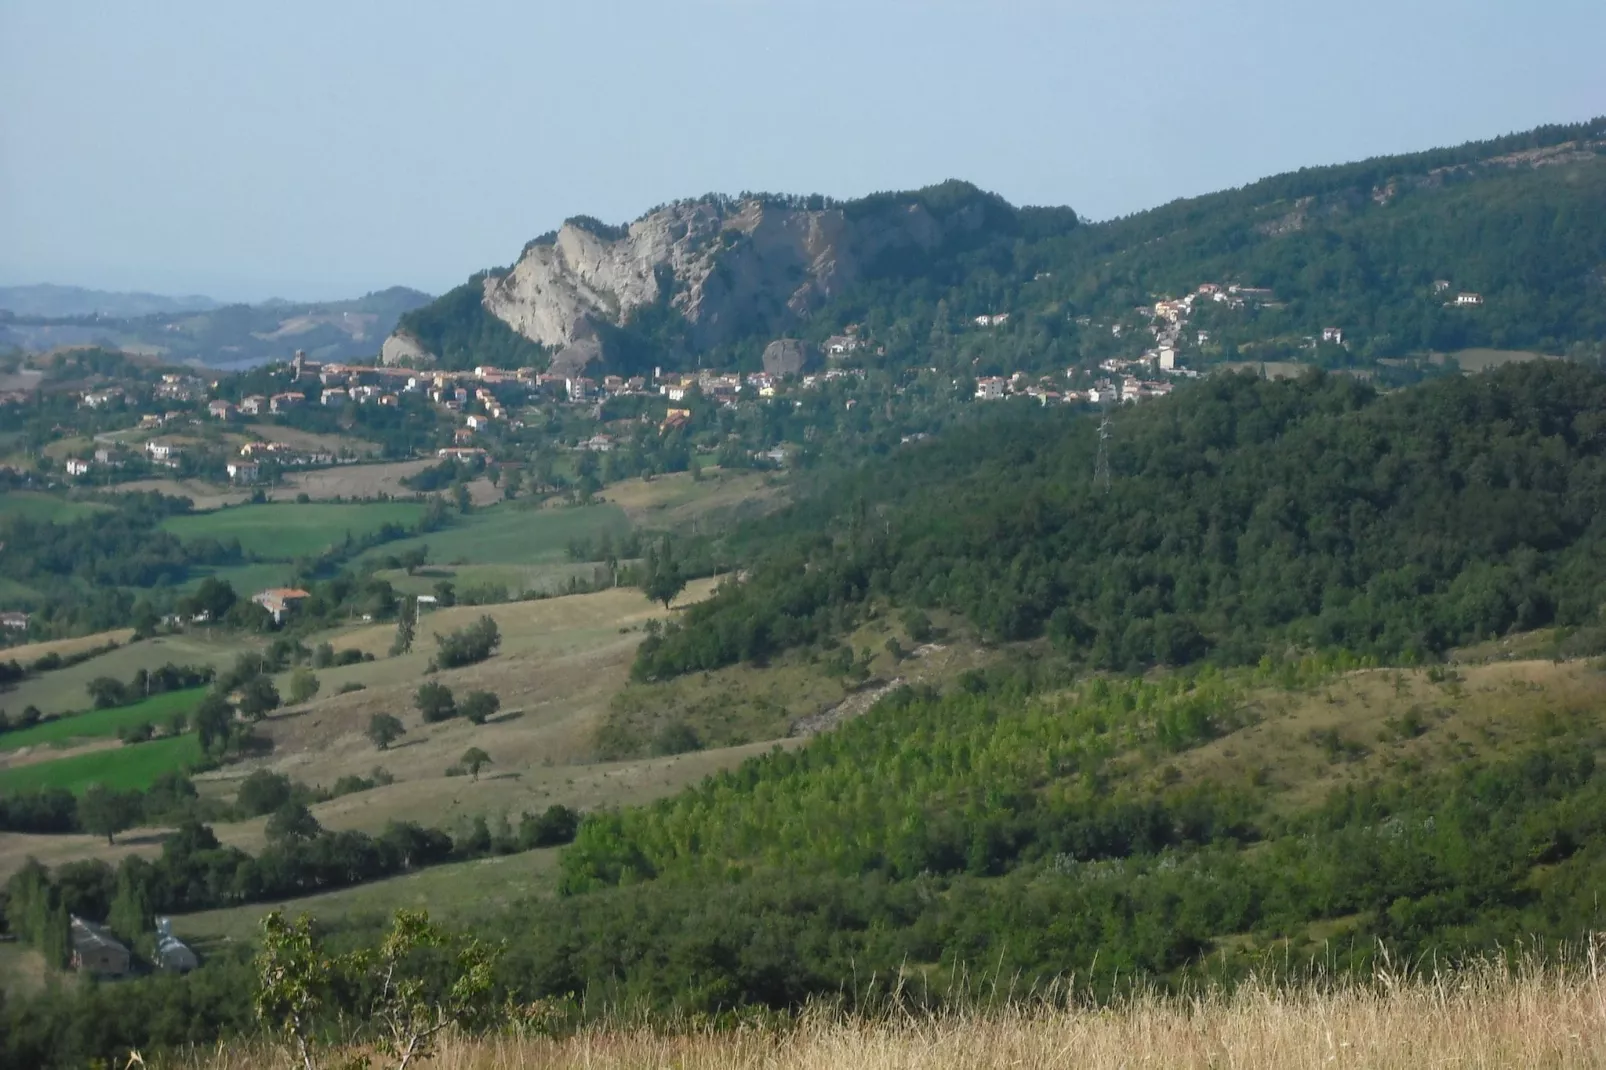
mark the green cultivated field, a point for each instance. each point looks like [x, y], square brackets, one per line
[509, 535]
[285, 530]
[103, 724]
[550, 578]
[245, 579]
[36, 505]
[66, 690]
[12, 591]
[457, 894]
[123, 767]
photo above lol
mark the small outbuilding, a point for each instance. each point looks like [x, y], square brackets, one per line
[96, 951]
[171, 952]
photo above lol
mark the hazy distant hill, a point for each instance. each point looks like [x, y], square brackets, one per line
[48, 299]
[228, 335]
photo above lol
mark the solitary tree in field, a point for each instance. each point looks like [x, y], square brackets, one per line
[106, 812]
[213, 719]
[384, 729]
[435, 702]
[406, 622]
[292, 821]
[664, 580]
[472, 760]
[303, 686]
[479, 705]
[257, 697]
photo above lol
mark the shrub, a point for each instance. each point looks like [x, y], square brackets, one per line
[554, 827]
[477, 706]
[918, 625]
[677, 737]
[435, 702]
[384, 729]
[304, 686]
[263, 792]
[137, 733]
[468, 645]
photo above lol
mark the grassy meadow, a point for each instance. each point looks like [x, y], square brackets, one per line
[123, 767]
[12, 591]
[103, 724]
[65, 690]
[517, 580]
[245, 579]
[678, 502]
[38, 505]
[31, 652]
[457, 894]
[512, 533]
[283, 531]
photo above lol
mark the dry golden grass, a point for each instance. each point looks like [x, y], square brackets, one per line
[348, 481]
[676, 501]
[66, 690]
[311, 441]
[1478, 711]
[562, 660]
[204, 495]
[31, 652]
[1484, 1017]
[1479, 360]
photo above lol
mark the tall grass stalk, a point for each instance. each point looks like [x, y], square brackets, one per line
[1539, 1013]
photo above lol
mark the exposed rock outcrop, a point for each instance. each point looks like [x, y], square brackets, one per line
[581, 354]
[727, 266]
[788, 356]
[403, 348]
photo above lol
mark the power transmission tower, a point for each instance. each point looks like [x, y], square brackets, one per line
[1101, 467]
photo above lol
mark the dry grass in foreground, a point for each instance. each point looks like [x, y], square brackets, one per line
[1541, 1017]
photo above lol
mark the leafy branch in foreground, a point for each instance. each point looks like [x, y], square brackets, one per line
[301, 988]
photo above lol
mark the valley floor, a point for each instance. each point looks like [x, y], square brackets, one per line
[1484, 1018]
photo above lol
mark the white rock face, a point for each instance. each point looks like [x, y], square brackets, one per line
[727, 265]
[403, 348]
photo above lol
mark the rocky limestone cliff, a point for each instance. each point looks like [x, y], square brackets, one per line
[402, 348]
[727, 266]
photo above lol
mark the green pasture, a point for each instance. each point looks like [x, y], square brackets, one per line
[12, 591]
[245, 579]
[124, 767]
[283, 531]
[550, 578]
[66, 690]
[38, 505]
[508, 534]
[457, 893]
[98, 724]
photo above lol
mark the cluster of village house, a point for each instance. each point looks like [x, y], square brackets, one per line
[474, 394]
[1167, 319]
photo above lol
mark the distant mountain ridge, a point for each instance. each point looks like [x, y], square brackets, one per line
[227, 336]
[1366, 247]
[52, 300]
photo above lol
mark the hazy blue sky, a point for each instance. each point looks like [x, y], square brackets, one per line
[244, 149]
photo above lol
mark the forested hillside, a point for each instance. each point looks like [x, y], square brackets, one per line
[1378, 249]
[1243, 517]
[1050, 833]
